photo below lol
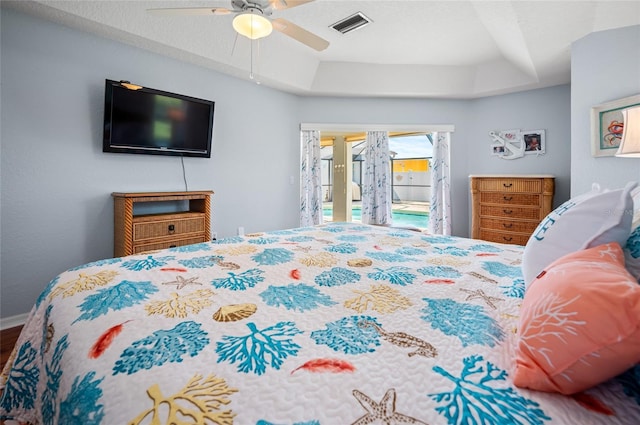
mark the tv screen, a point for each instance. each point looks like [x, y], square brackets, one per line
[150, 121]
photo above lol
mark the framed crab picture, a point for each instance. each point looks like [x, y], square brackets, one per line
[607, 125]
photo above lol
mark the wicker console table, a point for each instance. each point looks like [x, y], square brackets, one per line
[135, 233]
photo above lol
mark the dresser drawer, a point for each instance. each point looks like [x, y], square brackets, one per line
[508, 208]
[138, 248]
[158, 227]
[510, 185]
[508, 211]
[504, 237]
[511, 198]
[518, 226]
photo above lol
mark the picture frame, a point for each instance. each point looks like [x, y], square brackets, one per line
[500, 138]
[607, 124]
[497, 150]
[534, 142]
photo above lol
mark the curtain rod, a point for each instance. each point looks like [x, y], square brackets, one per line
[418, 128]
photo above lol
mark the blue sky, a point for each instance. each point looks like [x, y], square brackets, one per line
[411, 147]
[405, 147]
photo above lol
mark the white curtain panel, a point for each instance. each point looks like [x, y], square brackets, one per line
[440, 209]
[310, 179]
[376, 188]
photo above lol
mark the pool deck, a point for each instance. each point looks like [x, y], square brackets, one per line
[405, 206]
[409, 207]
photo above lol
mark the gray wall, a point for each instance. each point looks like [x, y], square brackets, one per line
[56, 209]
[546, 109]
[599, 75]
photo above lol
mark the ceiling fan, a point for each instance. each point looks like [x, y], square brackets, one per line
[253, 19]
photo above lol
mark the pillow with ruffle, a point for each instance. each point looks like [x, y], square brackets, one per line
[588, 220]
[579, 323]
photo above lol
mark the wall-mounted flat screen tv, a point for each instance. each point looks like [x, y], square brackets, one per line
[150, 121]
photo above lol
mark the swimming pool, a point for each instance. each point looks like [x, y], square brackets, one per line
[400, 218]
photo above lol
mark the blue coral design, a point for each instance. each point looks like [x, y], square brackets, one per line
[343, 248]
[263, 241]
[397, 275]
[299, 297]
[337, 276]
[633, 243]
[501, 269]
[440, 271]
[261, 348]
[163, 346]
[146, 264]
[20, 389]
[201, 262]
[349, 335]
[123, 295]
[81, 405]
[467, 322]
[241, 281]
[475, 400]
[273, 256]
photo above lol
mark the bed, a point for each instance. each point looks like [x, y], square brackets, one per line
[340, 323]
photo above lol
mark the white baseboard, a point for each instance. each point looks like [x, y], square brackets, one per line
[13, 321]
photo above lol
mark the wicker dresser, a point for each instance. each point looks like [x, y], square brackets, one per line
[135, 233]
[508, 208]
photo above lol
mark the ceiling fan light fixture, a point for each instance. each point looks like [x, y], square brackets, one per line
[252, 25]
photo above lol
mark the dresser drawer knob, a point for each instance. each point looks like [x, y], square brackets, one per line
[172, 246]
[507, 184]
[507, 198]
[507, 239]
[172, 228]
[507, 211]
[507, 225]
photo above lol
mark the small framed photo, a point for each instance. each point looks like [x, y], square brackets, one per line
[497, 150]
[534, 142]
[607, 125]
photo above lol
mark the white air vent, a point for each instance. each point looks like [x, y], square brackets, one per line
[351, 23]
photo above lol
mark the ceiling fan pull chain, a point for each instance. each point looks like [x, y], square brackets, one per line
[251, 60]
[258, 54]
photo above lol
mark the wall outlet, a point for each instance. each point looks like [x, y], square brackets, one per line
[214, 236]
[240, 231]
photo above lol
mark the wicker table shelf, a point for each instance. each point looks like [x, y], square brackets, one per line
[135, 233]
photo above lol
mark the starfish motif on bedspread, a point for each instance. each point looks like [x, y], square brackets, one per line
[383, 412]
[181, 282]
[479, 294]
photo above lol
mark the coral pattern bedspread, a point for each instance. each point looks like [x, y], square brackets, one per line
[335, 324]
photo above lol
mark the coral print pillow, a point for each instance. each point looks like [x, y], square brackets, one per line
[632, 253]
[632, 248]
[579, 323]
[589, 220]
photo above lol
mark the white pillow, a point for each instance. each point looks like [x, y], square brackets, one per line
[594, 218]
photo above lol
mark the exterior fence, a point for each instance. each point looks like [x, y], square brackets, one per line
[410, 182]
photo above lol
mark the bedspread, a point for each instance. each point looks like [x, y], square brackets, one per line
[335, 324]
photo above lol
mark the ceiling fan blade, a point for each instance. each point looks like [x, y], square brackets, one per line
[190, 11]
[300, 34]
[287, 4]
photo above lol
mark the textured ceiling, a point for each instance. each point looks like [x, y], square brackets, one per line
[418, 48]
